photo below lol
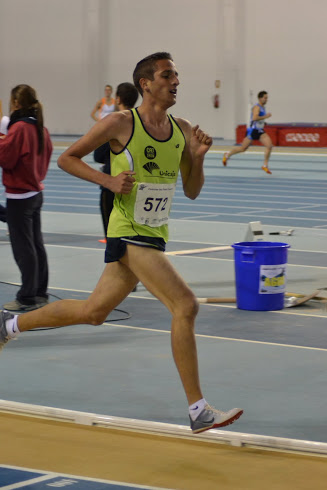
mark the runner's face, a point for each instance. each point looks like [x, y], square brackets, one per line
[164, 86]
[108, 91]
[264, 99]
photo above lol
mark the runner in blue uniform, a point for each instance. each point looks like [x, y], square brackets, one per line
[255, 131]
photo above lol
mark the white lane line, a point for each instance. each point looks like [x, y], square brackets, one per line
[78, 479]
[72, 205]
[246, 188]
[232, 260]
[254, 214]
[151, 298]
[48, 245]
[23, 484]
[177, 252]
[309, 229]
[276, 153]
[245, 198]
[202, 200]
[299, 207]
[221, 338]
[170, 252]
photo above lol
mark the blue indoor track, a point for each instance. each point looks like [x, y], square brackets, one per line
[273, 364]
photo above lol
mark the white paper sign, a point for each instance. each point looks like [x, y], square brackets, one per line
[272, 279]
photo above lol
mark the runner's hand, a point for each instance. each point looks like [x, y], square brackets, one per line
[123, 182]
[200, 141]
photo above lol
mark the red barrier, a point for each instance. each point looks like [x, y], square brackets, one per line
[289, 135]
[240, 133]
[302, 137]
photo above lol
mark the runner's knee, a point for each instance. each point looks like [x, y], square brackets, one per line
[93, 316]
[187, 307]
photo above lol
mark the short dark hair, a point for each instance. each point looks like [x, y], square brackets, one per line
[147, 66]
[262, 94]
[128, 94]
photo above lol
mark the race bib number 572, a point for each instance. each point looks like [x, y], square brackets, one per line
[153, 203]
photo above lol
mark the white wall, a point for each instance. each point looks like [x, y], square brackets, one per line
[286, 55]
[186, 29]
[55, 46]
[69, 49]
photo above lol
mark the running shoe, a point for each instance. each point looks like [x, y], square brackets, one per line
[4, 316]
[16, 305]
[211, 418]
[225, 158]
[266, 169]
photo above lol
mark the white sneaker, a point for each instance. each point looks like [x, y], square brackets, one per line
[4, 316]
[211, 418]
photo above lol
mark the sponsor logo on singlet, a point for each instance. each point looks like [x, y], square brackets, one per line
[150, 152]
[150, 167]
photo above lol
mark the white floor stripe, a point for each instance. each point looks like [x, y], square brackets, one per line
[276, 153]
[216, 337]
[151, 298]
[51, 475]
[24, 483]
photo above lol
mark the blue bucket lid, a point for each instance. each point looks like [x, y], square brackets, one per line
[259, 245]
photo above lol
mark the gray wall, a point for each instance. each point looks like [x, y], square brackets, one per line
[286, 55]
[69, 49]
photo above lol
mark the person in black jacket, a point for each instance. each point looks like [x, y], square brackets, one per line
[126, 97]
[3, 214]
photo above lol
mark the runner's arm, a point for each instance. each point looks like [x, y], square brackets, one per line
[197, 143]
[95, 110]
[116, 126]
[256, 117]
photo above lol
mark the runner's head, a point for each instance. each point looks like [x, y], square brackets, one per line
[147, 67]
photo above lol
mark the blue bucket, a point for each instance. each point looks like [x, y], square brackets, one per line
[260, 275]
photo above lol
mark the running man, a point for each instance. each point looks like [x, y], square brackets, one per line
[255, 131]
[148, 147]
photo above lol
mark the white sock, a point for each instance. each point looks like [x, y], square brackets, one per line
[196, 408]
[12, 327]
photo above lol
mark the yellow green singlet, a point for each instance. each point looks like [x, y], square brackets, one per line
[145, 210]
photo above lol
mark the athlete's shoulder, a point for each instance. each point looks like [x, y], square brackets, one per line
[119, 117]
[184, 124]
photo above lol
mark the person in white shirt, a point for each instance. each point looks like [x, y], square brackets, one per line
[104, 106]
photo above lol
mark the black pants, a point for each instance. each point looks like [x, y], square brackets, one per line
[3, 214]
[24, 223]
[106, 205]
[102, 155]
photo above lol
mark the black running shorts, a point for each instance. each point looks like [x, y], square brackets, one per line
[116, 247]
